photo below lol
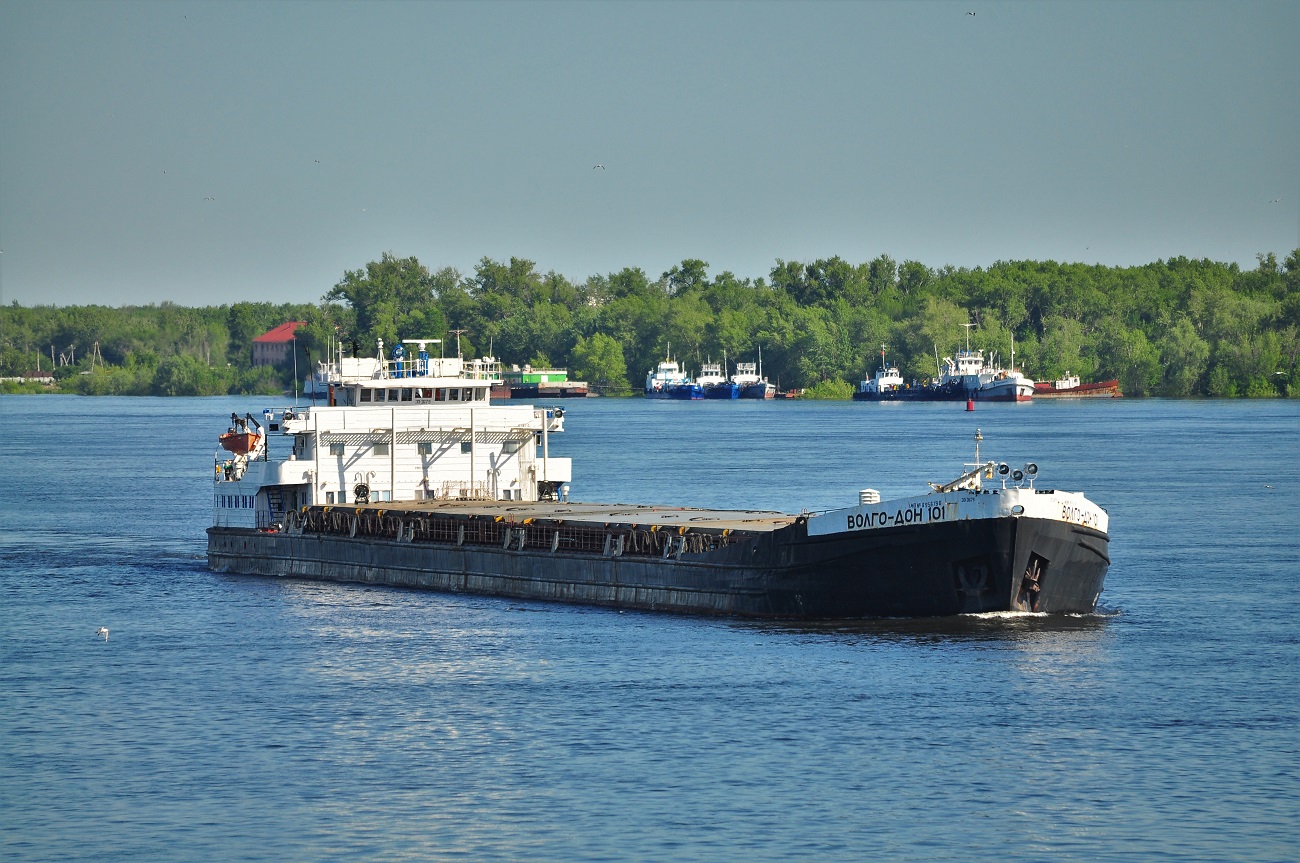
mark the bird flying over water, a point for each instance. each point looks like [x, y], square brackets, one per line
[1275, 201]
[103, 630]
[594, 167]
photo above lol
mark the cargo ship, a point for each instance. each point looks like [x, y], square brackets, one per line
[1069, 387]
[419, 481]
[531, 383]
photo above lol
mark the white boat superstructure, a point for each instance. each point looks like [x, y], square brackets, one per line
[749, 377]
[969, 372]
[711, 375]
[666, 374]
[399, 431]
[746, 374]
[886, 378]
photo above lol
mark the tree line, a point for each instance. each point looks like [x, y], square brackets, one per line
[1176, 327]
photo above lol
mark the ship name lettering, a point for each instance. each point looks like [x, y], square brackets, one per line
[1078, 515]
[918, 513]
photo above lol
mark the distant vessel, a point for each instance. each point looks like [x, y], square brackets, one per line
[531, 383]
[665, 375]
[1070, 387]
[886, 385]
[687, 389]
[965, 376]
[749, 379]
[715, 384]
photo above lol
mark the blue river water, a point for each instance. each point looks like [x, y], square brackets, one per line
[238, 718]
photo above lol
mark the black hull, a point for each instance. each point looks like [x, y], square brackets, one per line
[954, 392]
[551, 391]
[931, 570]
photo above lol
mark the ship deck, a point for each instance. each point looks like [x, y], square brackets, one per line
[593, 514]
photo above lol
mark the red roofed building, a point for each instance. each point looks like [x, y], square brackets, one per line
[275, 345]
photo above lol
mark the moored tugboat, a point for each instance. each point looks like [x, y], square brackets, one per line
[963, 377]
[666, 375]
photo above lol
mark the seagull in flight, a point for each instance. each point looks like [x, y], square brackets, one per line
[594, 167]
[1275, 201]
[209, 198]
[970, 13]
[103, 630]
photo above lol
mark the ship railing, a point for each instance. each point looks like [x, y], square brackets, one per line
[465, 490]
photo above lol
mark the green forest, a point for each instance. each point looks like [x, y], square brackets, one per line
[1177, 327]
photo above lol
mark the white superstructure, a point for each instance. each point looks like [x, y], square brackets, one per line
[408, 429]
[666, 374]
[886, 378]
[711, 375]
[746, 374]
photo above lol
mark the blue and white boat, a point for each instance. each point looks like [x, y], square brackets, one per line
[751, 383]
[686, 390]
[715, 384]
[660, 382]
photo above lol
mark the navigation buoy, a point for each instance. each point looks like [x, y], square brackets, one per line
[970, 404]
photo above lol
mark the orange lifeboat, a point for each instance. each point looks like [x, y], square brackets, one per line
[239, 438]
[239, 442]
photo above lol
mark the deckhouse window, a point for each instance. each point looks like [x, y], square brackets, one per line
[336, 449]
[424, 447]
[406, 394]
[455, 395]
[381, 448]
[466, 446]
[366, 395]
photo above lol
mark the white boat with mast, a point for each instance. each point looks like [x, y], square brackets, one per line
[713, 381]
[749, 379]
[886, 385]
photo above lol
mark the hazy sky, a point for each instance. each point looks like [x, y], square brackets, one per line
[205, 153]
